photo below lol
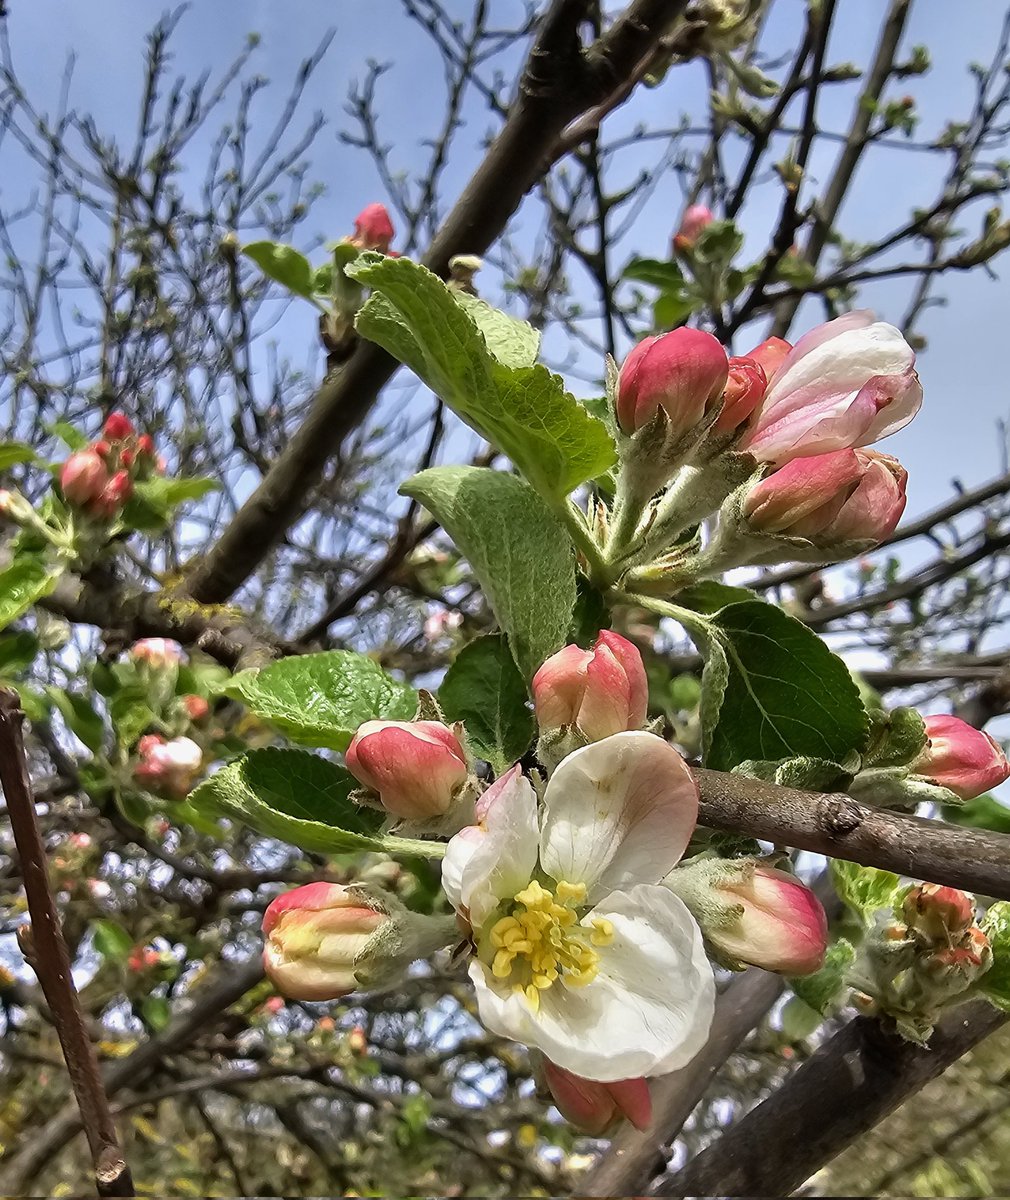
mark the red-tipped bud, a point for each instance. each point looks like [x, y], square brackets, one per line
[102, 448]
[415, 767]
[118, 427]
[745, 389]
[145, 445]
[770, 355]
[126, 458]
[848, 495]
[373, 229]
[600, 691]
[683, 372]
[314, 936]
[114, 495]
[938, 912]
[196, 707]
[83, 478]
[143, 958]
[961, 758]
[696, 217]
[158, 653]
[167, 768]
[592, 1106]
[782, 925]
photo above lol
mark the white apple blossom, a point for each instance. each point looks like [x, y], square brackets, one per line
[578, 952]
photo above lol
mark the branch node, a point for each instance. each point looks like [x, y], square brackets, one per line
[841, 815]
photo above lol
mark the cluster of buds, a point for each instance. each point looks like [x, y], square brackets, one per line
[167, 767]
[595, 1107]
[753, 914]
[416, 771]
[325, 940]
[922, 960]
[774, 439]
[582, 696]
[940, 759]
[99, 479]
[143, 958]
[159, 654]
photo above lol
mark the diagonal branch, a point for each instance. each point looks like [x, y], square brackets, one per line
[44, 947]
[843, 1090]
[559, 82]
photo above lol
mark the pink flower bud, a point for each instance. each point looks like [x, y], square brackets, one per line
[961, 758]
[373, 229]
[744, 389]
[938, 911]
[145, 445]
[102, 448]
[80, 841]
[357, 1041]
[158, 653]
[196, 707]
[847, 383]
[114, 495]
[782, 926]
[696, 217]
[770, 355]
[314, 934]
[118, 427]
[848, 495]
[274, 1005]
[683, 372]
[167, 767]
[600, 691]
[593, 1107]
[83, 478]
[416, 767]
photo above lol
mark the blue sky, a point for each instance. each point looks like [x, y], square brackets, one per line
[962, 368]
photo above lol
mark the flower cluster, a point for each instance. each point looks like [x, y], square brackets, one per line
[98, 480]
[167, 767]
[775, 440]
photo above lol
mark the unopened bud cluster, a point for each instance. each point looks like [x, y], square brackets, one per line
[921, 960]
[774, 441]
[98, 480]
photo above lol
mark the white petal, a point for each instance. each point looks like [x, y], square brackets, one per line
[648, 1011]
[617, 813]
[503, 861]
[457, 854]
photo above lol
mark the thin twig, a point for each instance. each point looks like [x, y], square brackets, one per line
[46, 951]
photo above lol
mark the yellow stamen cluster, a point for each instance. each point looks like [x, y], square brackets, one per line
[542, 941]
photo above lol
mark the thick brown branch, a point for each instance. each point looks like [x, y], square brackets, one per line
[843, 1090]
[47, 954]
[559, 82]
[836, 825]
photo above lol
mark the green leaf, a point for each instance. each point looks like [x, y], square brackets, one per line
[984, 812]
[864, 889]
[524, 410]
[518, 549]
[17, 651]
[996, 926]
[321, 699]
[822, 990]
[156, 1012]
[667, 276]
[485, 691]
[69, 434]
[80, 716]
[284, 264]
[12, 453]
[154, 500]
[774, 689]
[709, 596]
[111, 940]
[26, 580]
[513, 342]
[590, 616]
[298, 797]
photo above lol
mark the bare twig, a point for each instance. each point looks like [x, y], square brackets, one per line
[46, 951]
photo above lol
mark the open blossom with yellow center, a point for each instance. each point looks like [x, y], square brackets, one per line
[579, 952]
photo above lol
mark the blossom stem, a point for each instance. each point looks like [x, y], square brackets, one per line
[575, 522]
[422, 847]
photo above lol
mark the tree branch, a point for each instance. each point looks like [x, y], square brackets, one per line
[843, 1090]
[46, 951]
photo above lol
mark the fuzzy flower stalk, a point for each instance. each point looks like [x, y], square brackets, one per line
[577, 949]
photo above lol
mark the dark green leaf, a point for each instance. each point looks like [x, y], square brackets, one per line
[984, 812]
[321, 699]
[284, 264]
[17, 651]
[298, 797]
[485, 691]
[996, 926]
[590, 616]
[80, 716]
[667, 276]
[524, 410]
[518, 549]
[157, 1012]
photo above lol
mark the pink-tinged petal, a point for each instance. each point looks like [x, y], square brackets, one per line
[803, 495]
[962, 758]
[607, 703]
[618, 812]
[415, 767]
[859, 318]
[781, 927]
[682, 371]
[593, 1106]
[558, 687]
[770, 355]
[898, 399]
[819, 422]
[875, 507]
[633, 1099]
[630, 658]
